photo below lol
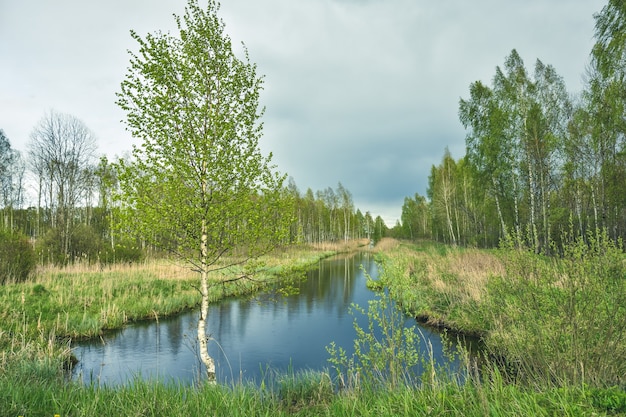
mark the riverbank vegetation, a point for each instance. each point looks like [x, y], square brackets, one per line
[459, 288]
[548, 321]
[42, 392]
[83, 301]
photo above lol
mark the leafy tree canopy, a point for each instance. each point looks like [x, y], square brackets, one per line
[198, 173]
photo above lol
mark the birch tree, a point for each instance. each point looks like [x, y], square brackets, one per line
[11, 181]
[517, 128]
[347, 208]
[544, 136]
[606, 96]
[198, 184]
[489, 148]
[441, 191]
[416, 217]
[61, 154]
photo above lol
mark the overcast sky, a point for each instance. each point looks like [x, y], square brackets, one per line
[362, 92]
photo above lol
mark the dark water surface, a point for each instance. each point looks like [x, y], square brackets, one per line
[254, 337]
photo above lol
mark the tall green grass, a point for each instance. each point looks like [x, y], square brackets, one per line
[441, 286]
[84, 304]
[42, 396]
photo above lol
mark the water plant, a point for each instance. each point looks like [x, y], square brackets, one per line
[385, 351]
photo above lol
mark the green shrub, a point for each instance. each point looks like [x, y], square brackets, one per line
[17, 258]
[85, 243]
[127, 250]
[49, 248]
[385, 352]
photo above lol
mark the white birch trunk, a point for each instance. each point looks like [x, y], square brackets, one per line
[516, 208]
[500, 216]
[595, 210]
[206, 359]
[533, 222]
[447, 196]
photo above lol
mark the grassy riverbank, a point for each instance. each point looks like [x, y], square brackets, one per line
[491, 293]
[41, 393]
[84, 301]
[40, 317]
[550, 321]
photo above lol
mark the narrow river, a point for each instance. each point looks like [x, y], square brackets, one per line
[254, 338]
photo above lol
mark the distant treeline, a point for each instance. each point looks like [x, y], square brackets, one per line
[540, 164]
[330, 215]
[75, 216]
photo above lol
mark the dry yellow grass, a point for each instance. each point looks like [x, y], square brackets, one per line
[340, 246]
[440, 284]
[461, 271]
[386, 244]
[172, 269]
[473, 268]
[162, 268]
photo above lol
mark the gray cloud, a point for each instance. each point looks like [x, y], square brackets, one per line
[359, 92]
